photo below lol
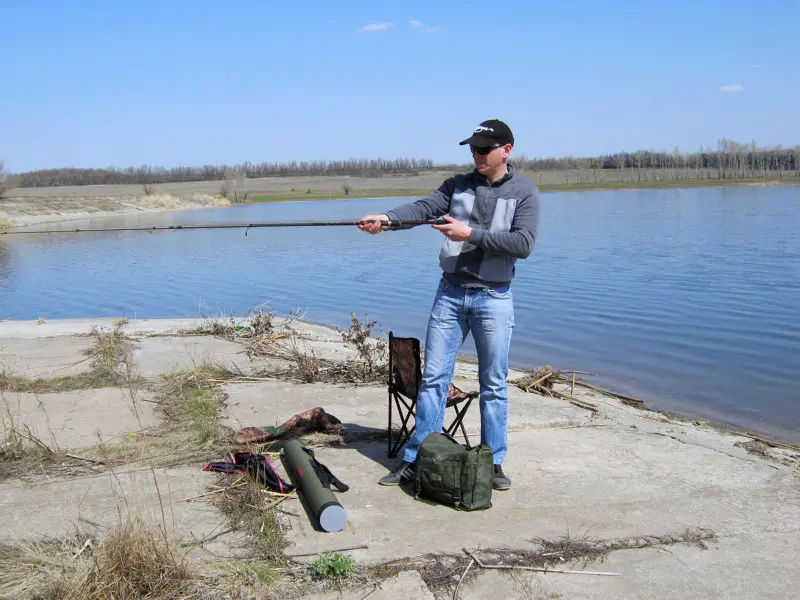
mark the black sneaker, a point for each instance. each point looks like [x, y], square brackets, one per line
[501, 480]
[404, 474]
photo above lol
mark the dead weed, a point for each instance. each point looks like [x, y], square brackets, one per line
[135, 560]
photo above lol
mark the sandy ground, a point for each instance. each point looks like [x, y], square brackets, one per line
[22, 210]
[615, 473]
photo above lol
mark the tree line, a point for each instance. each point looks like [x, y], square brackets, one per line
[730, 160]
[147, 174]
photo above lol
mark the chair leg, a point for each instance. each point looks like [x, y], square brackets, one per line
[405, 434]
[459, 421]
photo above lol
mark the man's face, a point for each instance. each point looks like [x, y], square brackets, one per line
[490, 158]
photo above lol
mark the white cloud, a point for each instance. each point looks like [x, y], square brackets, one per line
[375, 27]
[420, 25]
[736, 88]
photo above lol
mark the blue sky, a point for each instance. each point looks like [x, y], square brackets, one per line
[99, 83]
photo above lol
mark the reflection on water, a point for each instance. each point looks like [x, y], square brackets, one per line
[5, 265]
[685, 297]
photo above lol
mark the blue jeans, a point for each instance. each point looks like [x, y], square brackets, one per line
[489, 315]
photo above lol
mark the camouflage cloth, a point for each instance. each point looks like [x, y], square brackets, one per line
[315, 419]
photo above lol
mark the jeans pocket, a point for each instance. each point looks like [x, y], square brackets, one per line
[503, 293]
[443, 284]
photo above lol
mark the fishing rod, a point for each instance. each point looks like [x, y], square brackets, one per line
[391, 223]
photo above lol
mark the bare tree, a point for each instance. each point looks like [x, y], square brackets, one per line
[234, 188]
[797, 160]
[4, 183]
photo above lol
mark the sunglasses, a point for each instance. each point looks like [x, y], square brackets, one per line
[483, 150]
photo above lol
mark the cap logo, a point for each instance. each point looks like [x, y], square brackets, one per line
[480, 128]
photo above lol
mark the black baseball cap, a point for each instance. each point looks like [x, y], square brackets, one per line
[489, 133]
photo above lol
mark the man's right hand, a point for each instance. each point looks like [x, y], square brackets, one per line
[372, 223]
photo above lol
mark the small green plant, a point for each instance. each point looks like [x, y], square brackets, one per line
[332, 566]
[201, 409]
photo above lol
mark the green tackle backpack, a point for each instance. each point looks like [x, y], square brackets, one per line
[452, 474]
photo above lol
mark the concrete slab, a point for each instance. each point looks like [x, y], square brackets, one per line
[746, 566]
[407, 585]
[71, 327]
[621, 472]
[80, 418]
[166, 354]
[365, 408]
[606, 482]
[95, 503]
[36, 358]
[57, 348]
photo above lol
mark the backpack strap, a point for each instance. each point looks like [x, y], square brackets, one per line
[256, 466]
[324, 474]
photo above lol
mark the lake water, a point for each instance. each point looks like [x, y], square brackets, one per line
[689, 299]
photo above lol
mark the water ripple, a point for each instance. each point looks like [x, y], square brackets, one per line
[687, 298]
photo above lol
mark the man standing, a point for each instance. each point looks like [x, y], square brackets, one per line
[492, 217]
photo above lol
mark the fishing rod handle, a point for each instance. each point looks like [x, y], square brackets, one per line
[400, 223]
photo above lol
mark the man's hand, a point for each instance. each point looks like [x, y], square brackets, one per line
[454, 230]
[374, 226]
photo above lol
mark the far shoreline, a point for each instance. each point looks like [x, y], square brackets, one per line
[27, 209]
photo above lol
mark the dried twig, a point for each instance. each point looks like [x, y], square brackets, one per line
[464, 574]
[91, 460]
[217, 491]
[278, 501]
[538, 569]
[210, 538]
[86, 544]
[629, 400]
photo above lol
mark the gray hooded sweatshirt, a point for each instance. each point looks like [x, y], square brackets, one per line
[504, 217]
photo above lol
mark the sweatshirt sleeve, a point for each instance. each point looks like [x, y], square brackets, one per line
[433, 206]
[519, 241]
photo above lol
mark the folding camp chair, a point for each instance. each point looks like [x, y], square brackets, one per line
[405, 377]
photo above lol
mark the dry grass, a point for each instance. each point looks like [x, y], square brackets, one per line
[756, 447]
[111, 363]
[370, 366]
[251, 510]
[262, 336]
[135, 560]
[442, 572]
[190, 402]
[542, 380]
[112, 356]
[24, 453]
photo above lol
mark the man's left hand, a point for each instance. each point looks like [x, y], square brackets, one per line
[454, 230]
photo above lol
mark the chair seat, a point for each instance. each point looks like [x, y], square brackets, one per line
[456, 395]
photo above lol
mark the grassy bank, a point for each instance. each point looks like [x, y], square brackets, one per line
[666, 184]
[545, 187]
[336, 194]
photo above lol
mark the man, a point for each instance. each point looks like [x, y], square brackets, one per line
[492, 217]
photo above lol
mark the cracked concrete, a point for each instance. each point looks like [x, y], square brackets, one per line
[80, 418]
[618, 473]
